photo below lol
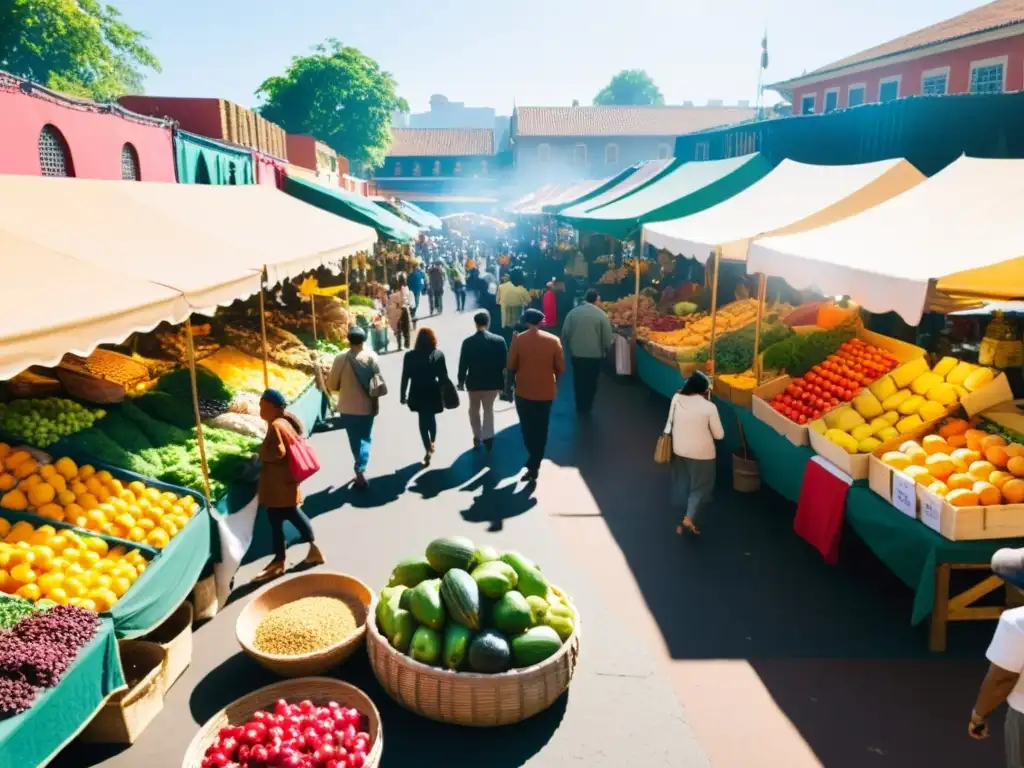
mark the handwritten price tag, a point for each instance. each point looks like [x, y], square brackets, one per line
[931, 510]
[904, 494]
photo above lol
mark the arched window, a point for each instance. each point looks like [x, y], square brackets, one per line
[202, 171]
[54, 154]
[416, 170]
[579, 154]
[232, 173]
[130, 163]
[611, 154]
[437, 167]
[398, 168]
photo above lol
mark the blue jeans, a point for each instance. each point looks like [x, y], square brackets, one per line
[358, 429]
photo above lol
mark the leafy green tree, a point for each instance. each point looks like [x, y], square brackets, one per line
[339, 95]
[81, 47]
[631, 87]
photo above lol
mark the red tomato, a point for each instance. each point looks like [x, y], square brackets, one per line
[847, 394]
[816, 414]
[801, 419]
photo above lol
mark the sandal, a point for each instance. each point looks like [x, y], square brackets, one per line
[686, 526]
[274, 569]
[315, 557]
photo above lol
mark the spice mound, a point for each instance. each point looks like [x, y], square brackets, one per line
[305, 626]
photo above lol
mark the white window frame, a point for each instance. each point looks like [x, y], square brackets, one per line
[803, 103]
[615, 159]
[544, 152]
[937, 72]
[702, 150]
[898, 79]
[1003, 61]
[575, 156]
[664, 151]
[863, 88]
[824, 100]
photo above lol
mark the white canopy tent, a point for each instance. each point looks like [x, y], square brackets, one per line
[960, 228]
[792, 198]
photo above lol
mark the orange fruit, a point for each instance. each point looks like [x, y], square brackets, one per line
[957, 441]
[933, 444]
[938, 488]
[1016, 466]
[981, 470]
[988, 494]
[1013, 491]
[997, 455]
[1014, 449]
[960, 481]
[939, 466]
[998, 479]
[974, 438]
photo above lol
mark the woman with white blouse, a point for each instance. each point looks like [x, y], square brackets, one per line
[694, 425]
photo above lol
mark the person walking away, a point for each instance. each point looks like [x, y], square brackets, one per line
[416, 284]
[482, 372]
[424, 373]
[351, 377]
[513, 298]
[277, 490]
[549, 306]
[459, 287]
[694, 424]
[400, 311]
[435, 288]
[537, 360]
[587, 336]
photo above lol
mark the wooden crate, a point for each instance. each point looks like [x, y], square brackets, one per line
[127, 713]
[175, 636]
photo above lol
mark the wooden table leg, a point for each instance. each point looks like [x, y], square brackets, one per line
[940, 609]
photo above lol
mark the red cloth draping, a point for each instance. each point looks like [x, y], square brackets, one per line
[822, 507]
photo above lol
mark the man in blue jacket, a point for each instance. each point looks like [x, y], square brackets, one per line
[416, 282]
[482, 372]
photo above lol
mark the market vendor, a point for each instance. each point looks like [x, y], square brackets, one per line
[278, 492]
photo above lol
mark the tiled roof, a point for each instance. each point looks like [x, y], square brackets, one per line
[441, 142]
[624, 121]
[1001, 13]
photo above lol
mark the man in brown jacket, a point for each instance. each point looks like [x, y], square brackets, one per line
[537, 360]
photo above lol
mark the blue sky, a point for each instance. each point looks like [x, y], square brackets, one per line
[530, 51]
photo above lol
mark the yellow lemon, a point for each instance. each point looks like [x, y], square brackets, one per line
[165, 505]
[81, 521]
[74, 569]
[103, 598]
[78, 488]
[141, 568]
[96, 515]
[74, 587]
[47, 471]
[137, 487]
[146, 524]
[153, 513]
[23, 573]
[105, 566]
[152, 494]
[115, 486]
[137, 534]
[103, 580]
[143, 503]
[94, 544]
[117, 551]
[75, 601]
[43, 558]
[158, 538]
[7, 584]
[87, 501]
[5, 559]
[59, 565]
[118, 531]
[94, 486]
[125, 520]
[86, 471]
[58, 483]
[66, 498]
[59, 595]
[126, 570]
[88, 605]
[30, 592]
[42, 534]
[88, 579]
[50, 581]
[71, 554]
[168, 496]
[90, 558]
[180, 521]
[119, 505]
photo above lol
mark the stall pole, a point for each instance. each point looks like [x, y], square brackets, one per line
[636, 291]
[714, 308]
[263, 340]
[195, 409]
[762, 293]
[346, 265]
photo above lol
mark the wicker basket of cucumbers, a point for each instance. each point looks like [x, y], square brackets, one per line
[467, 635]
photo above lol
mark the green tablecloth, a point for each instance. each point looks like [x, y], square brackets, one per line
[309, 407]
[663, 379]
[910, 549]
[782, 464]
[170, 577]
[58, 714]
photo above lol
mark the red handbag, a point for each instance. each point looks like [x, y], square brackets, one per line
[302, 459]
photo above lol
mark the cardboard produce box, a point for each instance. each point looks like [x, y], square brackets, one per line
[797, 433]
[955, 523]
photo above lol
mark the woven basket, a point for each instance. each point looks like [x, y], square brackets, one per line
[174, 635]
[313, 584]
[127, 713]
[319, 690]
[467, 698]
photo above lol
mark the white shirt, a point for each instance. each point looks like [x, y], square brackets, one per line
[694, 424]
[1007, 651]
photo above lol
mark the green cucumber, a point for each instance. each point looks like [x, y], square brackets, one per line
[425, 646]
[404, 627]
[451, 552]
[461, 597]
[495, 578]
[425, 604]
[518, 562]
[512, 614]
[535, 646]
[456, 645]
[411, 571]
[389, 603]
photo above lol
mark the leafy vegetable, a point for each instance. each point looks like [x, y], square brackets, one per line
[798, 354]
[734, 351]
[355, 300]
[169, 408]
[210, 386]
[124, 432]
[159, 432]
[94, 444]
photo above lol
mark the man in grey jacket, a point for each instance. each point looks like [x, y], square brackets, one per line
[586, 336]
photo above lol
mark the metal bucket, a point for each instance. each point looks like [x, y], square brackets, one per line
[746, 476]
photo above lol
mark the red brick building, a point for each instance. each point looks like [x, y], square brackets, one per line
[43, 133]
[981, 51]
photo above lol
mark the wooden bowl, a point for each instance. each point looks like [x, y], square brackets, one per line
[319, 690]
[469, 698]
[312, 584]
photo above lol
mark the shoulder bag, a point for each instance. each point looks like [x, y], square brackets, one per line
[663, 448]
[375, 389]
[302, 459]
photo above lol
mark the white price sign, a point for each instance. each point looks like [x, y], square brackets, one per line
[904, 494]
[931, 510]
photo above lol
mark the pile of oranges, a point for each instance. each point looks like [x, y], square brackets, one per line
[62, 566]
[94, 501]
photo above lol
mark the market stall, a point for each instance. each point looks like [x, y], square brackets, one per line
[644, 172]
[589, 192]
[352, 207]
[562, 194]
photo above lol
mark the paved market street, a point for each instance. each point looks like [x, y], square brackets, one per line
[740, 649]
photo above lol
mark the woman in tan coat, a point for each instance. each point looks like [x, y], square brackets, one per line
[277, 490]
